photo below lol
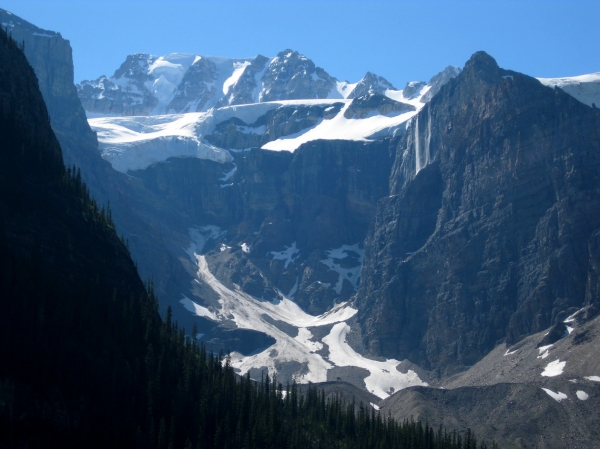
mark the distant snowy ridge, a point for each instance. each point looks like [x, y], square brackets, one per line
[154, 108]
[177, 83]
[585, 88]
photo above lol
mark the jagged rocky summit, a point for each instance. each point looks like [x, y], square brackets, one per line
[176, 83]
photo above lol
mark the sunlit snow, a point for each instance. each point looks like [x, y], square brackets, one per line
[167, 72]
[544, 351]
[586, 88]
[238, 69]
[554, 368]
[593, 378]
[134, 143]
[582, 395]
[196, 308]
[340, 127]
[558, 396]
[383, 379]
[248, 313]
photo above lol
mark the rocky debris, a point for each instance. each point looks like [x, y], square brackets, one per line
[371, 84]
[496, 183]
[366, 105]
[518, 415]
[504, 397]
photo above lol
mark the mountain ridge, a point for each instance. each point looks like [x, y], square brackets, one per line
[177, 83]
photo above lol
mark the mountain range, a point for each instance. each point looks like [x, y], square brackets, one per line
[435, 246]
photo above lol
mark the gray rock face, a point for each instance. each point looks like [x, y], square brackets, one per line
[283, 121]
[133, 206]
[489, 232]
[319, 198]
[249, 85]
[196, 89]
[106, 96]
[412, 88]
[437, 81]
[371, 84]
[363, 106]
[51, 57]
[292, 76]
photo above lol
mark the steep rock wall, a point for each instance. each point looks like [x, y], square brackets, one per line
[489, 232]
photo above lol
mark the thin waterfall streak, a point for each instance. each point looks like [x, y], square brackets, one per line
[417, 149]
[427, 149]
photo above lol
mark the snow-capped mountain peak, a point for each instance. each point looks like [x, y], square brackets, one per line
[371, 84]
[177, 83]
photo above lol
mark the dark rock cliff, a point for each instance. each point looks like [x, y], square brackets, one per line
[320, 197]
[491, 229]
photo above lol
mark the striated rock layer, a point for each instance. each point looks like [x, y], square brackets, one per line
[491, 229]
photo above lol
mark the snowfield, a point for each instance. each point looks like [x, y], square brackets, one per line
[309, 357]
[554, 368]
[137, 142]
[586, 88]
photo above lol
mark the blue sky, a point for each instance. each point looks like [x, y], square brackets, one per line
[399, 40]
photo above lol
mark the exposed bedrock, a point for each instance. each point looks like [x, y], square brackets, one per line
[491, 232]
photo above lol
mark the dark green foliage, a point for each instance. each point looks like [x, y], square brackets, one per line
[86, 361]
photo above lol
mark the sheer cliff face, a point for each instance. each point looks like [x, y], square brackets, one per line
[51, 58]
[491, 230]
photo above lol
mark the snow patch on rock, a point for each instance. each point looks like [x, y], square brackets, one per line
[582, 395]
[288, 255]
[554, 369]
[558, 396]
[339, 260]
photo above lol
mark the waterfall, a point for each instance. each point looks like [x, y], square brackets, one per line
[428, 144]
[417, 149]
